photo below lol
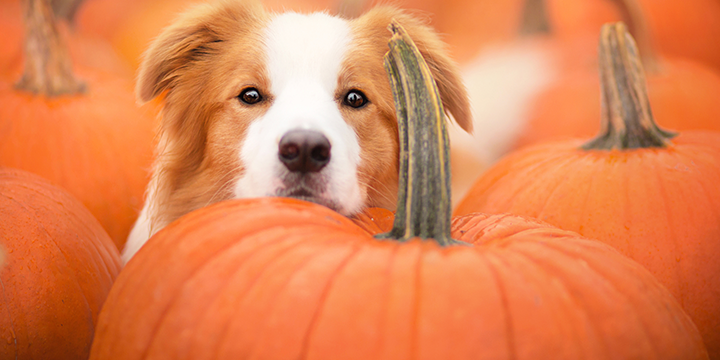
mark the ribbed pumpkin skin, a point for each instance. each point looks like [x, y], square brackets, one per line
[59, 268]
[660, 207]
[283, 279]
[97, 145]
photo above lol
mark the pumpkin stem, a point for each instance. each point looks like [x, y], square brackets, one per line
[535, 18]
[66, 9]
[48, 70]
[627, 121]
[424, 207]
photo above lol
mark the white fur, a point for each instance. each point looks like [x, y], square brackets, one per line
[304, 59]
[140, 233]
[501, 83]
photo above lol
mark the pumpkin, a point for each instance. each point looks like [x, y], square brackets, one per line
[650, 194]
[59, 266]
[278, 278]
[88, 137]
[687, 29]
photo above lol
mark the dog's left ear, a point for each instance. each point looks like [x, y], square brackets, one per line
[194, 34]
[445, 71]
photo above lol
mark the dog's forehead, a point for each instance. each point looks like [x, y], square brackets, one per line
[306, 46]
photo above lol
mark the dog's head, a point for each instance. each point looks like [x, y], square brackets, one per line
[262, 104]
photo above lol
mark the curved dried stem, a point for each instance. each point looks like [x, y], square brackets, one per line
[627, 120]
[48, 69]
[424, 206]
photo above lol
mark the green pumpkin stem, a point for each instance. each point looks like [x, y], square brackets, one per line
[424, 207]
[48, 69]
[627, 121]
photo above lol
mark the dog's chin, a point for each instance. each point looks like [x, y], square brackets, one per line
[303, 193]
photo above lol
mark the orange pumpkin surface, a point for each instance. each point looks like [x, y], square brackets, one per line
[279, 279]
[58, 270]
[90, 138]
[652, 196]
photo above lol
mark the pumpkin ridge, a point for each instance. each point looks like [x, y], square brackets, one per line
[66, 263]
[100, 251]
[551, 269]
[9, 315]
[312, 326]
[629, 215]
[595, 266]
[294, 242]
[166, 307]
[555, 187]
[583, 210]
[561, 284]
[242, 262]
[388, 276]
[299, 241]
[537, 168]
[280, 247]
[417, 286]
[673, 236]
[490, 260]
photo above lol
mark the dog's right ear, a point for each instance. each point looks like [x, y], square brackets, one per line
[192, 37]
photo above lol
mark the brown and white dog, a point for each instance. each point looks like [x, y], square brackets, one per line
[264, 104]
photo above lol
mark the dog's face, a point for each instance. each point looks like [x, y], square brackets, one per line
[295, 105]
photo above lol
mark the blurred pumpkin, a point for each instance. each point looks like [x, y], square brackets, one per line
[59, 266]
[90, 138]
[650, 194]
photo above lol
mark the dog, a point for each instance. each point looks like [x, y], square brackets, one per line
[278, 104]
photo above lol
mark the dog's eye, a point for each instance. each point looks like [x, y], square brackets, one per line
[250, 96]
[355, 99]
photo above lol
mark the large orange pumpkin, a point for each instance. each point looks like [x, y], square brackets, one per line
[90, 138]
[277, 278]
[652, 195]
[60, 264]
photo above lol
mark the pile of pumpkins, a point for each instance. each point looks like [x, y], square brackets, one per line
[602, 248]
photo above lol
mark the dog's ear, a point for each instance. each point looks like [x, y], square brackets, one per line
[445, 71]
[193, 36]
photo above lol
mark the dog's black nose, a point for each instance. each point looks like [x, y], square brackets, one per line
[304, 150]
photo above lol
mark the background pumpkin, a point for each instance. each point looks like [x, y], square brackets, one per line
[280, 278]
[90, 138]
[60, 264]
[649, 194]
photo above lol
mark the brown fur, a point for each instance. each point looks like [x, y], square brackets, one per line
[212, 52]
